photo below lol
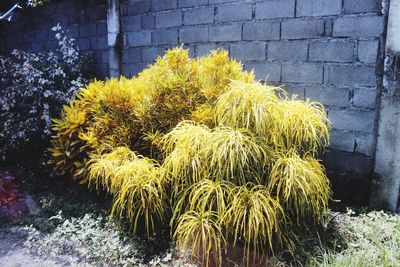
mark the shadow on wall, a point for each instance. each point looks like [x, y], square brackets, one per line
[85, 21]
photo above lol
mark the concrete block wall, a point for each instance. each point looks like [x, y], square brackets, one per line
[325, 50]
[85, 21]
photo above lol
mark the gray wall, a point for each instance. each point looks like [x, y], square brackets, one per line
[326, 50]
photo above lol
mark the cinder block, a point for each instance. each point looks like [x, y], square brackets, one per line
[352, 120]
[318, 7]
[191, 50]
[288, 50]
[309, 73]
[157, 5]
[29, 37]
[131, 23]
[83, 43]
[138, 7]
[141, 38]
[65, 6]
[275, 9]
[302, 29]
[212, 2]
[248, 51]
[253, 31]
[149, 54]
[77, 17]
[168, 19]
[331, 51]
[148, 22]
[204, 49]
[105, 57]
[352, 141]
[165, 37]
[295, 90]
[97, 57]
[101, 27]
[42, 23]
[98, 43]
[96, 13]
[193, 34]
[368, 51]
[350, 75]
[132, 55]
[357, 165]
[224, 33]
[342, 140]
[364, 97]
[364, 144]
[131, 70]
[192, 3]
[234, 12]
[124, 8]
[87, 29]
[328, 27]
[72, 31]
[37, 47]
[329, 96]
[265, 71]
[371, 26]
[203, 15]
[362, 6]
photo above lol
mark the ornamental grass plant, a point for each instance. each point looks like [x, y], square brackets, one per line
[201, 147]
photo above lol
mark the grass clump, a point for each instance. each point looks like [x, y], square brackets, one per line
[200, 144]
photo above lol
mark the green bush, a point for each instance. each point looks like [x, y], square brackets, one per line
[201, 144]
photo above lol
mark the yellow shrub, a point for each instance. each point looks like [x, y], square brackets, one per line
[125, 112]
[201, 144]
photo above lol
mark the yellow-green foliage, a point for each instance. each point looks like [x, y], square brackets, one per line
[300, 183]
[104, 169]
[203, 196]
[200, 232]
[125, 112]
[141, 197]
[185, 157]
[304, 126]
[217, 71]
[254, 216]
[201, 144]
[234, 155]
[249, 105]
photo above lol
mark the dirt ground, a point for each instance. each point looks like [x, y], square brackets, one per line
[57, 222]
[14, 254]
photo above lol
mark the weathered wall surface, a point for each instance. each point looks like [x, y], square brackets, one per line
[387, 159]
[325, 50]
[86, 21]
